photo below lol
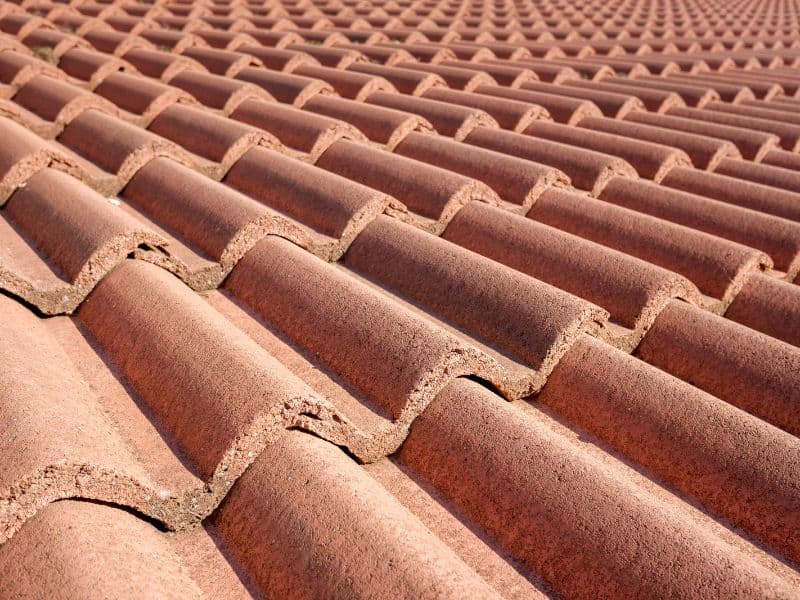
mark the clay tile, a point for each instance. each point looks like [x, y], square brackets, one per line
[322, 37]
[778, 237]
[24, 154]
[509, 114]
[769, 305]
[454, 283]
[160, 65]
[788, 133]
[753, 145]
[78, 230]
[284, 87]
[225, 40]
[295, 128]
[718, 267]
[379, 55]
[218, 92]
[434, 194]
[728, 92]
[611, 104]
[778, 177]
[447, 119]
[327, 203]
[733, 190]
[274, 39]
[650, 160]
[77, 24]
[633, 291]
[116, 147]
[222, 62]
[58, 101]
[644, 414]
[89, 65]
[174, 41]
[506, 75]
[208, 226]
[303, 515]
[209, 135]
[276, 59]
[456, 77]
[50, 44]
[753, 371]
[76, 561]
[587, 169]
[349, 84]
[563, 109]
[423, 53]
[115, 42]
[127, 24]
[705, 152]
[17, 69]
[280, 281]
[21, 24]
[783, 159]
[487, 442]
[337, 58]
[407, 81]
[379, 124]
[125, 314]
[140, 96]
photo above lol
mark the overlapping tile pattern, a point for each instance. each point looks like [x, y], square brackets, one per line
[401, 298]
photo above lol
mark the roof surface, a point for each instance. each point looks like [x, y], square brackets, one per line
[400, 299]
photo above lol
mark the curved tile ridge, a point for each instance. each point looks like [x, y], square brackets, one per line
[632, 290]
[587, 169]
[651, 160]
[718, 267]
[525, 324]
[697, 444]
[382, 125]
[748, 369]
[111, 150]
[87, 550]
[80, 232]
[518, 181]
[63, 445]
[71, 447]
[776, 236]
[581, 521]
[217, 139]
[208, 226]
[56, 103]
[395, 360]
[23, 154]
[297, 129]
[306, 507]
[725, 188]
[433, 195]
[144, 98]
[335, 208]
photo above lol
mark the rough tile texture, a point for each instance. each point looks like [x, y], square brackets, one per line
[338, 299]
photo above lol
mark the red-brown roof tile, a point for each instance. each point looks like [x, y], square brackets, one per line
[394, 298]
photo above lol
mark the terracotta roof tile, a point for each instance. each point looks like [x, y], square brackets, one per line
[400, 297]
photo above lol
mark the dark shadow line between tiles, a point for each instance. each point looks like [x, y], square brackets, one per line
[123, 507]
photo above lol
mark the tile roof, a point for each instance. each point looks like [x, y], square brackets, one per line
[399, 298]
